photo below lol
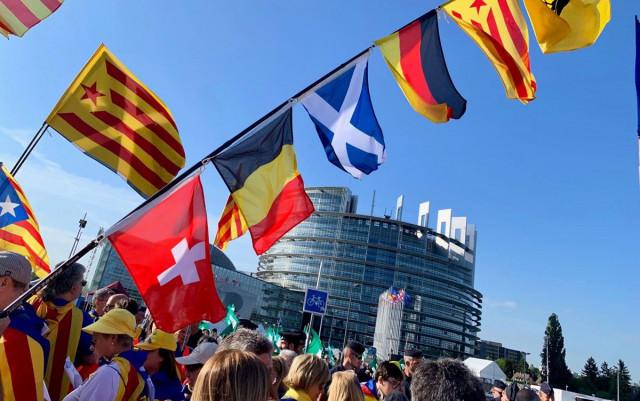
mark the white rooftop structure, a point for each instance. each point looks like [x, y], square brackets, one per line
[487, 371]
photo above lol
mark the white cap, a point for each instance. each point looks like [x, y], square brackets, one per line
[200, 354]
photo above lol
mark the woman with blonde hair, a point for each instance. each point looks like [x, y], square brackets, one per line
[233, 375]
[345, 387]
[306, 379]
[281, 369]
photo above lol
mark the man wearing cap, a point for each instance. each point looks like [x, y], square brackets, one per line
[56, 306]
[352, 360]
[22, 345]
[412, 358]
[161, 365]
[193, 363]
[546, 392]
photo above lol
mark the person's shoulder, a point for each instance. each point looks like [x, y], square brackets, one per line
[338, 368]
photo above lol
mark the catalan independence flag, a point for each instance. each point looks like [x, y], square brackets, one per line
[18, 16]
[499, 28]
[262, 175]
[113, 118]
[19, 231]
[231, 225]
[414, 56]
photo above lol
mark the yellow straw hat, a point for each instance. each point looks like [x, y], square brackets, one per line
[158, 339]
[116, 321]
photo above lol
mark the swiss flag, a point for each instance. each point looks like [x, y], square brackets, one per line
[165, 246]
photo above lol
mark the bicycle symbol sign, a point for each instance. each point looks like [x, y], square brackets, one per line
[315, 301]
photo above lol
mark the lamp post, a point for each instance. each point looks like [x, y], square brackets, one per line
[346, 326]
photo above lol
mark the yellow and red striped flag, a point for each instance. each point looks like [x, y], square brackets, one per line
[231, 225]
[18, 16]
[19, 231]
[499, 28]
[113, 118]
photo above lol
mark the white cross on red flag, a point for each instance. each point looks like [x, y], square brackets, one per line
[165, 247]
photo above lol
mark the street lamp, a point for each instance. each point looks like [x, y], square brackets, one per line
[346, 326]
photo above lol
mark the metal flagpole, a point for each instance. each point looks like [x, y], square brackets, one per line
[27, 151]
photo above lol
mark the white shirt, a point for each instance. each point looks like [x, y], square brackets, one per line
[101, 386]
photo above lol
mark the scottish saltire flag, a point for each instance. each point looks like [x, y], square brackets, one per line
[343, 115]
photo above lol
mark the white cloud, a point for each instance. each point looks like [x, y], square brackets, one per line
[491, 303]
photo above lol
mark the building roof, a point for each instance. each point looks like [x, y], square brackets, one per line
[218, 258]
[485, 368]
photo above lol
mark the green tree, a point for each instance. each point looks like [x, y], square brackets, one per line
[507, 366]
[590, 370]
[604, 378]
[625, 381]
[558, 374]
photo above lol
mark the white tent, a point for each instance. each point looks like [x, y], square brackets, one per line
[487, 371]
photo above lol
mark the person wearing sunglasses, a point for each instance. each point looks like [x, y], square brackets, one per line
[352, 360]
[56, 305]
[387, 379]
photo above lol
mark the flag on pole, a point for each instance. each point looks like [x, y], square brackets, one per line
[113, 118]
[170, 262]
[261, 173]
[315, 345]
[231, 225]
[561, 26]
[346, 123]
[231, 319]
[414, 56]
[18, 16]
[499, 28]
[19, 230]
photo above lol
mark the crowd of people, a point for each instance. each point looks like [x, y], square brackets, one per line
[52, 350]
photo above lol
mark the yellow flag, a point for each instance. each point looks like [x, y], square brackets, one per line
[575, 25]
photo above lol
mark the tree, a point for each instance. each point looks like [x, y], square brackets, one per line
[625, 380]
[558, 374]
[507, 366]
[590, 370]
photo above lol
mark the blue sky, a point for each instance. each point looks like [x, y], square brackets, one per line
[551, 186]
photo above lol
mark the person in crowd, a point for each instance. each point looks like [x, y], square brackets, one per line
[100, 298]
[181, 344]
[387, 379]
[307, 378]
[122, 301]
[206, 339]
[250, 341]
[55, 305]
[161, 365]
[352, 360]
[526, 394]
[412, 358]
[288, 355]
[445, 380]
[232, 375]
[546, 392]
[498, 388]
[140, 315]
[214, 334]
[344, 387]
[22, 344]
[281, 369]
[121, 375]
[292, 340]
[194, 362]
[510, 393]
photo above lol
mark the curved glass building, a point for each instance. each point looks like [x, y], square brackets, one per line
[357, 257]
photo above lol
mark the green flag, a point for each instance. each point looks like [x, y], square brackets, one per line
[374, 363]
[228, 330]
[231, 318]
[332, 359]
[315, 345]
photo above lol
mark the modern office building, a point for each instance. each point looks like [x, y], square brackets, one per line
[494, 350]
[357, 257]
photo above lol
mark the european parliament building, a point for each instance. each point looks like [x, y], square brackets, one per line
[357, 257]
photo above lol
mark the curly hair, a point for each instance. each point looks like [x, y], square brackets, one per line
[445, 380]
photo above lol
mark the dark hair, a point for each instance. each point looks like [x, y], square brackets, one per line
[206, 339]
[526, 394]
[445, 380]
[168, 363]
[388, 369]
[64, 282]
[193, 367]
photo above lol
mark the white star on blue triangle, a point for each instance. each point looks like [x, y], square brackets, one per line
[11, 209]
[343, 115]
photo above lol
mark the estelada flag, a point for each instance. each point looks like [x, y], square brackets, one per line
[569, 25]
[262, 175]
[414, 56]
[18, 16]
[499, 28]
[116, 120]
[19, 230]
[165, 247]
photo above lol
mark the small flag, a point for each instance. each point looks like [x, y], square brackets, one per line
[414, 56]
[346, 124]
[170, 262]
[231, 225]
[18, 16]
[262, 175]
[232, 319]
[315, 345]
[499, 28]
[561, 26]
[19, 230]
[116, 120]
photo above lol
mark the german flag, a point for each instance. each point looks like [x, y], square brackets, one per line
[262, 175]
[499, 28]
[113, 118]
[414, 56]
[18, 16]
[19, 230]
[231, 225]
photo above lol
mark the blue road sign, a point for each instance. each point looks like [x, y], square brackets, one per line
[315, 301]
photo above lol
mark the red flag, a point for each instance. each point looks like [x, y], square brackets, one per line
[165, 246]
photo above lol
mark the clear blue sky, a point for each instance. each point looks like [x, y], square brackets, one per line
[552, 186]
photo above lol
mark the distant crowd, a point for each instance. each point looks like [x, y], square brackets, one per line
[51, 350]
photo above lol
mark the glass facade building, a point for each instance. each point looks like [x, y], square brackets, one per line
[357, 257]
